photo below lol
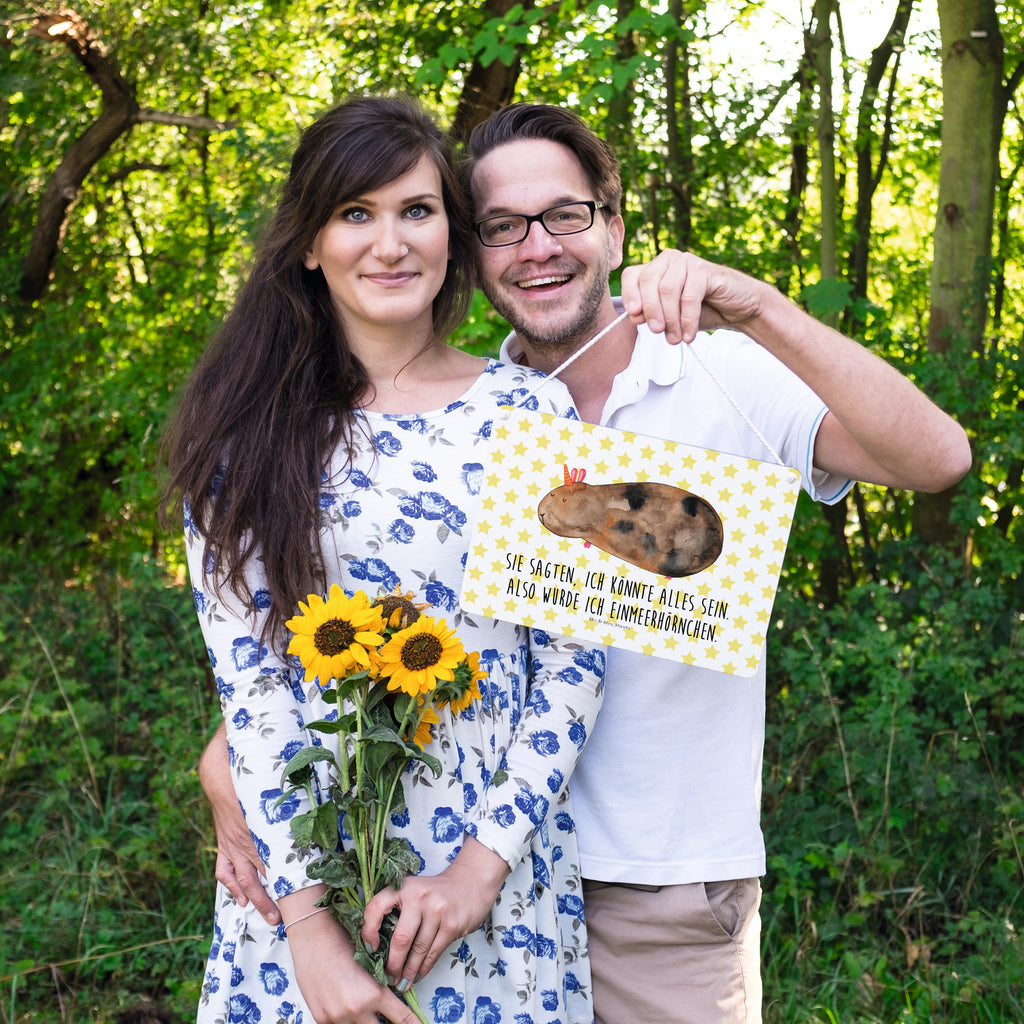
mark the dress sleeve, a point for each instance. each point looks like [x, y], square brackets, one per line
[263, 706]
[565, 693]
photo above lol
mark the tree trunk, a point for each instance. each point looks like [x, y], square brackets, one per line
[619, 131]
[679, 132]
[487, 89]
[819, 55]
[973, 104]
[972, 116]
[117, 115]
[797, 194]
[818, 48]
[869, 170]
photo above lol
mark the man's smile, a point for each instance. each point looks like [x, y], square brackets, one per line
[540, 282]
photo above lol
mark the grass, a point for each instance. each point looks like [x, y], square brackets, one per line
[893, 810]
[107, 881]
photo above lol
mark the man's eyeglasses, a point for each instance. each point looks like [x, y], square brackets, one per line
[564, 219]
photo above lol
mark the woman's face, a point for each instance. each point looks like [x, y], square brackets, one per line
[385, 254]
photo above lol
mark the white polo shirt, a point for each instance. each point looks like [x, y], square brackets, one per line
[668, 789]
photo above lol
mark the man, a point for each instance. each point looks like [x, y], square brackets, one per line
[667, 792]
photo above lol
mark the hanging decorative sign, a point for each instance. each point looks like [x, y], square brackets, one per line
[630, 541]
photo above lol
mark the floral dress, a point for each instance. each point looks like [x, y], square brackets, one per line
[403, 516]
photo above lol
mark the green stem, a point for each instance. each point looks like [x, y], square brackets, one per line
[411, 718]
[344, 767]
[360, 834]
[414, 1004]
[381, 825]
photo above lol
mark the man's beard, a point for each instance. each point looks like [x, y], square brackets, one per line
[569, 335]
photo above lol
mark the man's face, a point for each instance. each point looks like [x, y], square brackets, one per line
[552, 289]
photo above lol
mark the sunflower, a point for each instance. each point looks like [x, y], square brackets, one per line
[472, 692]
[332, 636]
[423, 734]
[417, 657]
[399, 608]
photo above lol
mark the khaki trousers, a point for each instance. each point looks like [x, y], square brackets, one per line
[675, 954]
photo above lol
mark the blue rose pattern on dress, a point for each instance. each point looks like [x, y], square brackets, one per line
[403, 515]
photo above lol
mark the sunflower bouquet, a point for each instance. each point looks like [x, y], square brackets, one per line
[390, 669]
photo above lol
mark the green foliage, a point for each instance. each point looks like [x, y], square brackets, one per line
[107, 866]
[893, 803]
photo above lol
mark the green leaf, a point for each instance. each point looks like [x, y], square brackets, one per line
[500, 52]
[429, 760]
[298, 770]
[398, 861]
[351, 683]
[339, 870]
[302, 826]
[325, 826]
[330, 727]
[347, 910]
[453, 55]
[398, 802]
[383, 757]
[377, 700]
[827, 298]
[342, 799]
[381, 732]
[372, 963]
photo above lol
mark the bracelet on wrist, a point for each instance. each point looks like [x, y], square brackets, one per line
[305, 917]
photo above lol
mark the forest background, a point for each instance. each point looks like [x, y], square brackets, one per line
[866, 158]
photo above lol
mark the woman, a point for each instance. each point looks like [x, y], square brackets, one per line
[329, 435]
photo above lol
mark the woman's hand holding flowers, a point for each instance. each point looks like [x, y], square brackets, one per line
[336, 989]
[435, 910]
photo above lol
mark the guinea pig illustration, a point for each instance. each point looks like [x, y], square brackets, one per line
[655, 526]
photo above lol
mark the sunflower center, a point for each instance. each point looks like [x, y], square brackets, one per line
[334, 636]
[391, 603]
[421, 651]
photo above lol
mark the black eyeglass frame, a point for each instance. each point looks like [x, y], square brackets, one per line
[591, 204]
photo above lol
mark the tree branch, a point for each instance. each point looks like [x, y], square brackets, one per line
[1013, 80]
[122, 173]
[206, 124]
[119, 112]
[116, 117]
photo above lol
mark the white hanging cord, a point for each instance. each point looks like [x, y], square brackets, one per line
[693, 352]
[732, 401]
[590, 344]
